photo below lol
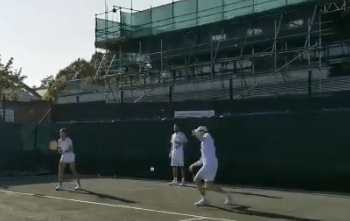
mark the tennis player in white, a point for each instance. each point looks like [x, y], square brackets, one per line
[178, 140]
[209, 164]
[65, 148]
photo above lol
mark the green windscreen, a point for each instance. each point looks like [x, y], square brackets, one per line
[184, 14]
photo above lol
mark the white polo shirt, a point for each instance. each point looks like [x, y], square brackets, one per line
[208, 151]
[66, 145]
[177, 149]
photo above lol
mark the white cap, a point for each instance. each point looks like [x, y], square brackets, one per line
[201, 128]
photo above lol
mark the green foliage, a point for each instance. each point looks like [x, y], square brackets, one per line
[11, 81]
[78, 69]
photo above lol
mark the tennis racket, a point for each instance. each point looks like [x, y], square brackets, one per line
[53, 145]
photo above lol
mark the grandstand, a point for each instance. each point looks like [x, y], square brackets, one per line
[218, 50]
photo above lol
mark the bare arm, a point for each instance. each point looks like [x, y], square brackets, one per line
[59, 149]
[196, 164]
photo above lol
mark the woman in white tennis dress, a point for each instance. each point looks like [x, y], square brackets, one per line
[65, 148]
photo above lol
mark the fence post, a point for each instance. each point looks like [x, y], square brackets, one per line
[310, 82]
[170, 94]
[35, 138]
[4, 108]
[121, 96]
[231, 89]
[50, 108]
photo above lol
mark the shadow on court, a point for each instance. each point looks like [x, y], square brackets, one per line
[102, 196]
[148, 200]
[239, 209]
[245, 193]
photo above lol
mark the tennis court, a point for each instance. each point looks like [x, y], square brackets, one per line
[109, 198]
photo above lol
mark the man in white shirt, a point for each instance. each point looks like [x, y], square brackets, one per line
[209, 164]
[178, 140]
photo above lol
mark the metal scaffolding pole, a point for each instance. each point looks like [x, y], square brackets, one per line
[277, 70]
[140, 70]
[278, 39]
[309, 60]
[161, 56]
[185, 58]
[320, 41]
[275, 47]
[253, 69]
[211, 55]
[309, 44]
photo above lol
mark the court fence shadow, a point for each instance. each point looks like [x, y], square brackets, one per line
[245, 210]
[102, 196]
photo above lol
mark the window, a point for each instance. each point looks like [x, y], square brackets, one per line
[219, 37]
[254, 31]
[295, 24]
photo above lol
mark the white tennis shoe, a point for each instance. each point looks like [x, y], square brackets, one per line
[173, 183]
[202, 202]
[228, 200]
[59, 187]
[78, 187]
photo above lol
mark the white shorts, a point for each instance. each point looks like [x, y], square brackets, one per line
[177, 158]
[67, 158]
[207, 172]
[177, 161]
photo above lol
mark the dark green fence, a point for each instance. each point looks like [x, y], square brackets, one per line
[309, 151]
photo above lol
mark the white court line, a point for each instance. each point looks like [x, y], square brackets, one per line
[192, 219]
[113, 205]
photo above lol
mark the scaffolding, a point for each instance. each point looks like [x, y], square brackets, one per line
[230, 49]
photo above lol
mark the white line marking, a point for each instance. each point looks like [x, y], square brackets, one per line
[192, 219]
[113, 205]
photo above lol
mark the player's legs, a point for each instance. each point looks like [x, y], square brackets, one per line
[175, 173]
[174, 164]
[182, 175]
[210, 185]
[199, 184]
[74, 171]
[61, 168]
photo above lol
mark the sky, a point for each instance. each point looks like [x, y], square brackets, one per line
[45, 36]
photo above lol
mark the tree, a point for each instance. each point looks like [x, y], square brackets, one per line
[45, 83]
[78, 69]
[53, 87]
[11, 81]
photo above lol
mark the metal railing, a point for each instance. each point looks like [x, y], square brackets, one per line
[295, 87]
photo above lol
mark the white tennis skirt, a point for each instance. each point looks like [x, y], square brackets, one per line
[68, 158]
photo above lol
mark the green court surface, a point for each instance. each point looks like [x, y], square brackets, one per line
[35, 198]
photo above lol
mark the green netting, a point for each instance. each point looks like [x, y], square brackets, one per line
[184, 14]
[107, 30]
[235, 8]
[209, 11]
[162, 19]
